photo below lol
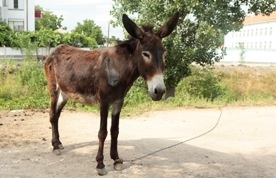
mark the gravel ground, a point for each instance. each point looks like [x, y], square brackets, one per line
[231, 142]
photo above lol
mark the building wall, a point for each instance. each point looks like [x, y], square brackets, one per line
[253, 36]
[21, 18]
[255, 42]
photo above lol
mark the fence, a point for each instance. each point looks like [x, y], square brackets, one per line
[16, 54]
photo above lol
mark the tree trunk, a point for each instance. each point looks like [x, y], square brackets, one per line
[170, 92]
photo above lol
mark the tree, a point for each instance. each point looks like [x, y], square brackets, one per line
[6, 34]
[48, 20]
[113, 40]
[81, 40]
[200, 29]
[90, 29]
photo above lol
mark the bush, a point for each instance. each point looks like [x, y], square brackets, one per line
[137, 94]
[203, 83]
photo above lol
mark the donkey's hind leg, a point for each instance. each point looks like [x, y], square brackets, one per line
[58, 101]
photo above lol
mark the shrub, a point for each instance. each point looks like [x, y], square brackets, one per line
[203, 83]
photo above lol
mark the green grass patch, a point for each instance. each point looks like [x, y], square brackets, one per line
[22, 85]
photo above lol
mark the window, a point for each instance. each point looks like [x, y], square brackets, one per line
[256, 32]
[252, 32]
[16, 25]
[5, 3]
[261, 31]
[270, 31]
[270, 44]
[15, 4]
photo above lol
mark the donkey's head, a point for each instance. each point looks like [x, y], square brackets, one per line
[151, 53]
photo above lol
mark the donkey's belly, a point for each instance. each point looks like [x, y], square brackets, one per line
[85, 99]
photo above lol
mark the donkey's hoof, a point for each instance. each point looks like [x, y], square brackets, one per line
[118, 164]
[60, 146]
[101, 171]
[57, 151]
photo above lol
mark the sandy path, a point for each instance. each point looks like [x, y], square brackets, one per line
[243, 144]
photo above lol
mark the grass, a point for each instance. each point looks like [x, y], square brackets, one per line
[23, 86]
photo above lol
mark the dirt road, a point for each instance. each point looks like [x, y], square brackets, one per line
[243, 144]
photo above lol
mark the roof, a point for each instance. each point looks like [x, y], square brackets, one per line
[260, 18]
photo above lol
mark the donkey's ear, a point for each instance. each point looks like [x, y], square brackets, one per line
[168, 27]
[132, 29]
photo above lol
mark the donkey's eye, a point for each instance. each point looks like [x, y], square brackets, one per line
[146, 56]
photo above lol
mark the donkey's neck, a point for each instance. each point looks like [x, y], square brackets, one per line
[131, 51]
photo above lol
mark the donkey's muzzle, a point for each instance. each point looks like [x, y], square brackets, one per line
[156, 87]
[158, 93]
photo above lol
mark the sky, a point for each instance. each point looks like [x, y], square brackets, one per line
[74, 11]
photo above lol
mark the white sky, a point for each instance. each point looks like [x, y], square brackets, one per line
[74, 11]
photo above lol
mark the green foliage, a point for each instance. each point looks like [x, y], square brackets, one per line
[6, 34]
[199, 33]
[46, 38]
[23, 85]
[81, 40]
[113, 40]
[90, 29]
[137, 94]
[26, 41]
[203, 84]
[48, 20]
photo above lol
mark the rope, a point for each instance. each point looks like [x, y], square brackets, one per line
[179, 143]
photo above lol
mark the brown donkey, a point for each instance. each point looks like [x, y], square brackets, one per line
[105, 76]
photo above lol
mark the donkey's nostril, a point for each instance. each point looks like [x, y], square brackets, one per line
[159, 91]
[155, 91]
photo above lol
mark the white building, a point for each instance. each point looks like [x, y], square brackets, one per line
[18, 14]
[255, 42]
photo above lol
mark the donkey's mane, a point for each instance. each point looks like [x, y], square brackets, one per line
[127, 46]
[148, 28]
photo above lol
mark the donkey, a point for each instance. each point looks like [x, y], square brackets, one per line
[105, 76]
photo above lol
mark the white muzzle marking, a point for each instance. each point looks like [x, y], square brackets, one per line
[155, 85]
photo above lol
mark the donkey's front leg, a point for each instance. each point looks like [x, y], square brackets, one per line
[102, 135]
[116, 109]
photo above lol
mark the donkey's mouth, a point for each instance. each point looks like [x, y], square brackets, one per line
[156, 97]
